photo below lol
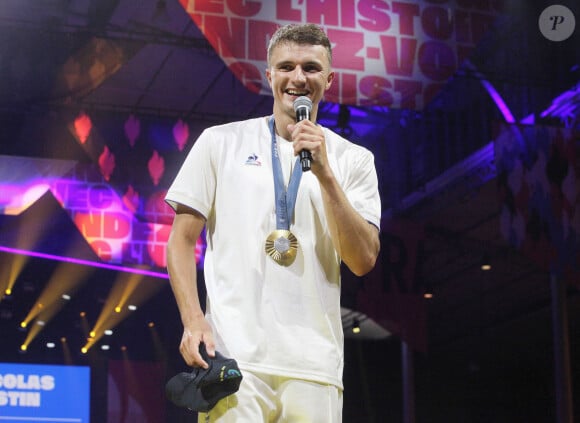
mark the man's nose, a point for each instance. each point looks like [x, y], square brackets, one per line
[299, 74]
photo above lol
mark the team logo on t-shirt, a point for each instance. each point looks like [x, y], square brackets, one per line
[253, 160]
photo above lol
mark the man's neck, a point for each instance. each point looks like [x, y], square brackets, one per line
[281, 123]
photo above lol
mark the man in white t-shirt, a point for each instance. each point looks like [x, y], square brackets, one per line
[276, 235]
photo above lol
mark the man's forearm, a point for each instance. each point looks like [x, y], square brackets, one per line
[355, 239]
[181, 265]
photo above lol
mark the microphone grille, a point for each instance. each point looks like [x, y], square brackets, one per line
[302, 101]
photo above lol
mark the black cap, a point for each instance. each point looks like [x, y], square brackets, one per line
[201, 389]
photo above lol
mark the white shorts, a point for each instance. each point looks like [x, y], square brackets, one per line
[275, 399]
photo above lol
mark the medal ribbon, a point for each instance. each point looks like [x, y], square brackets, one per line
[285, 199]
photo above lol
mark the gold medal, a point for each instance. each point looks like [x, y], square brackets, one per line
[282, 246]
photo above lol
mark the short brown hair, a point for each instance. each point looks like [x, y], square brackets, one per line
[302, 34]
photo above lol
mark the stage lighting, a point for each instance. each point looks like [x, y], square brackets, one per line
[428, 294]
[355, 326]
[485, 262]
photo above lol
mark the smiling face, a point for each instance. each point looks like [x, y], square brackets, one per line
[296, 70]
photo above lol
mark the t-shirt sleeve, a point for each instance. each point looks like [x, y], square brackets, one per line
[361, 187]
[195, 182]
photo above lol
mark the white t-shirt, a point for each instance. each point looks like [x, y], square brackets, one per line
[272, 319]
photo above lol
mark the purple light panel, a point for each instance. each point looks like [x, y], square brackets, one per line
[81, 262]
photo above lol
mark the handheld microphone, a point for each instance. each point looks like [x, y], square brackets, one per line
[302, 107]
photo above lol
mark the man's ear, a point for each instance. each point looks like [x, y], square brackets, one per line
[268, 77]
[329, 80]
